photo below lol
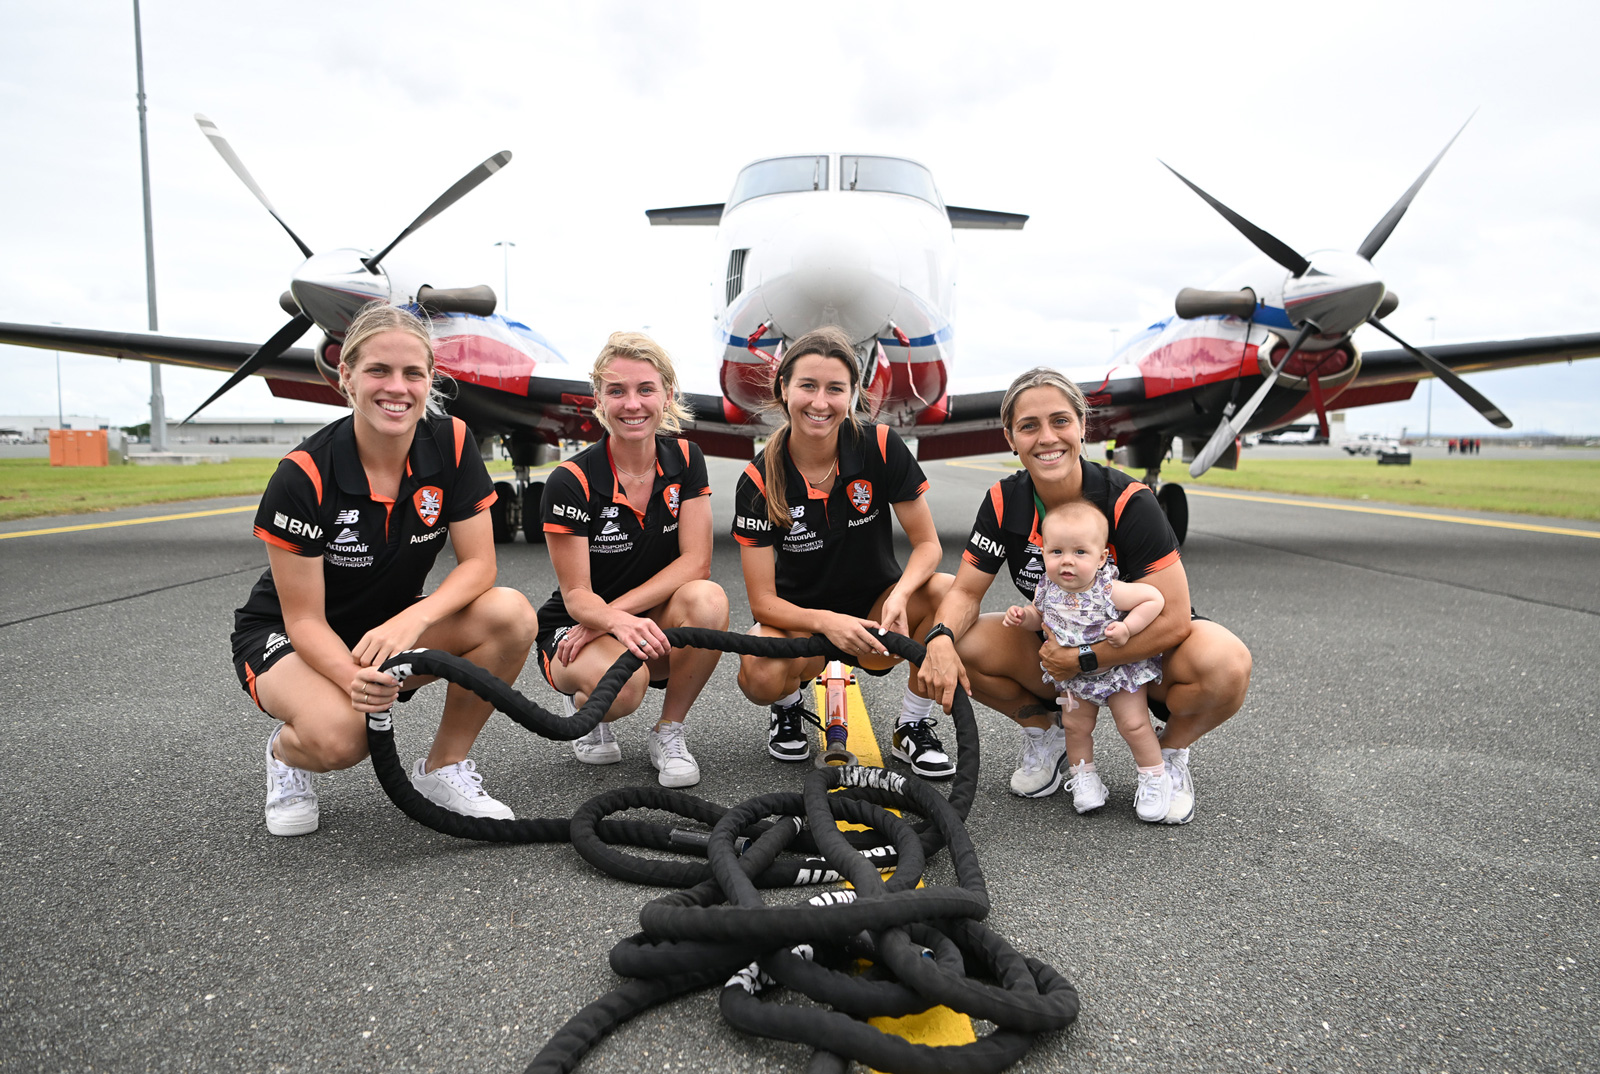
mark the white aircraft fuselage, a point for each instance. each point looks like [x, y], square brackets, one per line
[879, 263]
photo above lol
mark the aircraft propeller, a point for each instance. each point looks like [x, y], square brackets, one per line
[1353, 309]
[477, 300]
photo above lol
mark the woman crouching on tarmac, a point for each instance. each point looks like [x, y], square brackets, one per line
[628, 522]
[353, 520]
[1205, 669]
[817, 547]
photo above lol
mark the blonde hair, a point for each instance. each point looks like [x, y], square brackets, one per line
[1042, 377]
[829, 342]
[641, 348]
[376, 318]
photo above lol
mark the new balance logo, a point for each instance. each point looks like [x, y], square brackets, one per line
[347, 518]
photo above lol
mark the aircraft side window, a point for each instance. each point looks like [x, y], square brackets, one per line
[889, 175]
[780, 175]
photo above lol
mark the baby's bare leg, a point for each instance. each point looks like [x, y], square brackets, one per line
[1132, 713]
[1078, 724]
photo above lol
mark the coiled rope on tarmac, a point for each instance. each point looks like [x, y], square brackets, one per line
[927, 945]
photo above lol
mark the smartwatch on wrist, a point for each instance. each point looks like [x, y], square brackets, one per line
[1087, 661]
[939, 631]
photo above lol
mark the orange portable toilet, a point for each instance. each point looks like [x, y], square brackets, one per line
[78, 447]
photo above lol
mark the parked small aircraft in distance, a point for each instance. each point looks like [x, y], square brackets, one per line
[866, 242]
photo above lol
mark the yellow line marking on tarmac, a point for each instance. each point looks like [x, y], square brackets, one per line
[1527, 527]
[936, 1026]
[127, 522]
[1426, 516]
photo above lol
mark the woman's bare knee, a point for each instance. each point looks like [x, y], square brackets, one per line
[702, 604]
[333, 747]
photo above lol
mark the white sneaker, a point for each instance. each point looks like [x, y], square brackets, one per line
[669, 752]
[1181, 810]
[1088, 789]
[291, 795]
[1154, 796]
[1038, 773]
[599, 746]
[458, 788]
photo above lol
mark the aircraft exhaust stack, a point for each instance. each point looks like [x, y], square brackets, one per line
[479, 301]
[1193, 302]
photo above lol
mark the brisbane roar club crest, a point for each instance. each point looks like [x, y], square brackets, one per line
[429, 501]
[861, 495]
[671, 495]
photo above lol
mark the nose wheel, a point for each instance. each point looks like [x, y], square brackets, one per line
[516, 506]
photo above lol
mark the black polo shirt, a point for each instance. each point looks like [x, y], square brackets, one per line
[838, 553]
[1007, 527]
[626, 547]
[376, 553]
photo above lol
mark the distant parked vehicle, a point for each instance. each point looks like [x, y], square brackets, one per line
[1365, 444]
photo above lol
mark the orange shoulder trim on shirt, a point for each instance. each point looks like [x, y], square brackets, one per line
[753, 474]
[1122, 501]
[577, 471]
[302, 460]
[461, 436]
[276, 541]
[683, 446]
[998, 499]
[1163, 563]
[883, 442]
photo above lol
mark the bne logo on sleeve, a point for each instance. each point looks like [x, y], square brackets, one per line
[295, 526]
[986, 544]
[430, 501]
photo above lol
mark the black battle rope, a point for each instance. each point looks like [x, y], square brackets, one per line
[928, 943]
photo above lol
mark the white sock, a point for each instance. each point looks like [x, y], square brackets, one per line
[785, 702]
[914, 708]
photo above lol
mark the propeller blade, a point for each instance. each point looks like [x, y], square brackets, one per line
[1380, 234]
[1234, 424]
[1474, 399]
[281, 340]
[1273, 247]
[463, 186]
[220, 144]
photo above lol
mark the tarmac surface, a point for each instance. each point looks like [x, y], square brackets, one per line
[1394, 866]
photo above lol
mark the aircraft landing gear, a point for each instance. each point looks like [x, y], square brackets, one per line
[1173, 500]
[516, 506]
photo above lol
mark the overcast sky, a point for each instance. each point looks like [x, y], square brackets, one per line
[353, 116]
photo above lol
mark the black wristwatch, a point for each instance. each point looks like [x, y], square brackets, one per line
[939, 631]
[1087, 661]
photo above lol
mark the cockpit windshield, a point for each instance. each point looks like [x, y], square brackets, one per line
[890, 175]
[780, 175]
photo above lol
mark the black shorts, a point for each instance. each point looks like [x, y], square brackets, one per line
[257, 646]
[545, 646]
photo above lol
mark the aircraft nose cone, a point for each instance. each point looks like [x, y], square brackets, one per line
[1338, 293]
[839, 272]
[332, 287]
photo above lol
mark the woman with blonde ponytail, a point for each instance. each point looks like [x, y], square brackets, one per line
[816, 545]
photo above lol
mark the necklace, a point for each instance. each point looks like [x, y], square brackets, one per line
[818, 482]
[637, 477]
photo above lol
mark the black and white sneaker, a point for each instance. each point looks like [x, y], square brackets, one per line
[915, 743]
[787, 737]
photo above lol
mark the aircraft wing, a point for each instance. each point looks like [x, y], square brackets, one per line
[295, 364]
[1394, 366]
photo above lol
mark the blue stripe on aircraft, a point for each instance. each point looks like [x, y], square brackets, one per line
[943, 335]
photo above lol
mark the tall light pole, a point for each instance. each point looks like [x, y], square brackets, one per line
[61, 410]
[505, 294]
[158, 404]
[1433, 334]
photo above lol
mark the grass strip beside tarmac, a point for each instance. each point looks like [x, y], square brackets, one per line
[30, 488]
[1554, 488]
